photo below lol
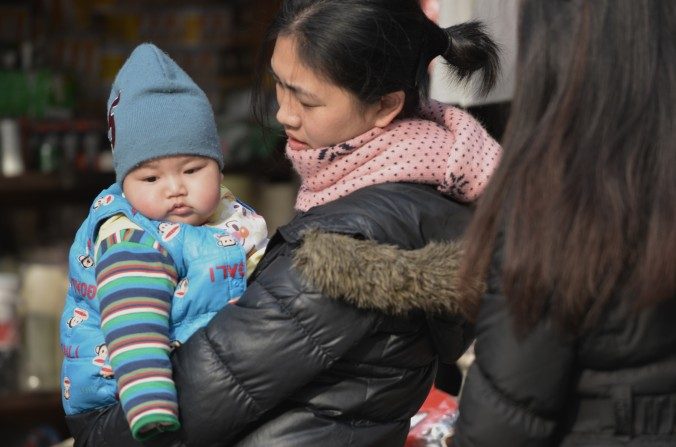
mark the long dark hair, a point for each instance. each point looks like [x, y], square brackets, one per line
[583, 204]
[375, 47]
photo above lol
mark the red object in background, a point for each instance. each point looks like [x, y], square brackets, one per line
[433, 425]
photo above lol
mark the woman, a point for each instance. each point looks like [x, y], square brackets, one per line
[337, 339]
[575, 336]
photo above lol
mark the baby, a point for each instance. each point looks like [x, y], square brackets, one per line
[161, 251]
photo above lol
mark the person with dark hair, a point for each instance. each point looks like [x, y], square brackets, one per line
[337, 339]
[575, 340]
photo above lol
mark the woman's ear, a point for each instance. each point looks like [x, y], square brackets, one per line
[390, 106]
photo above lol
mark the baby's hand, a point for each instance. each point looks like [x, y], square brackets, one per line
[157, 427]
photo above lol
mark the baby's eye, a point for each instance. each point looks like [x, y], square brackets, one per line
[149, 179]
[192, 170]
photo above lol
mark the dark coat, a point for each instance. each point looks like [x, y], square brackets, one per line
[612, 386]
[291, 365]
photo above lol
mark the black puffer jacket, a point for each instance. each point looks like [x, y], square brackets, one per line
[291, 365]
[614, 386]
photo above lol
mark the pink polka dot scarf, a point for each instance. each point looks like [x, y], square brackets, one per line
[446, 147]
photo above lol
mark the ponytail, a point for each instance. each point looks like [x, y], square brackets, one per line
[467, 49]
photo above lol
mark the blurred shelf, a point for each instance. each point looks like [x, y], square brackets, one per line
[33, 188]
[44, 125]
[20, 402]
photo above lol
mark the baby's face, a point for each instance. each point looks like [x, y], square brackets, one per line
[179, 189]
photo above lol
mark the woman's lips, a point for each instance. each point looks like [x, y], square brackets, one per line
[297, 145]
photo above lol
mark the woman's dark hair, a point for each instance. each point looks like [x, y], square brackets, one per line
[583, 204]
[375, 47]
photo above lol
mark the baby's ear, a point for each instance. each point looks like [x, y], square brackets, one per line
[391, 105]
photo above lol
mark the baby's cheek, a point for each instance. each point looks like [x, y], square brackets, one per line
[150, 207]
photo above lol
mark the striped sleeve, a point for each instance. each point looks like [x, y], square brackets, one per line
[136, 279]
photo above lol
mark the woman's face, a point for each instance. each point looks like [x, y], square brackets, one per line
[314, 111]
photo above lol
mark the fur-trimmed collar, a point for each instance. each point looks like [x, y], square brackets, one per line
[384, 277]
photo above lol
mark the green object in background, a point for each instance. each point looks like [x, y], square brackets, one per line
[39, 85]
[14, 96]
[35, 94]
[49, 154]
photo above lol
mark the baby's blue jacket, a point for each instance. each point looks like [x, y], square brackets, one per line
[208, 258]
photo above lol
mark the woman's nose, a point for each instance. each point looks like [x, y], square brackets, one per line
[286, 114]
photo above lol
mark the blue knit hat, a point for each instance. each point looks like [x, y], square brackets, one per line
[155, 110]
